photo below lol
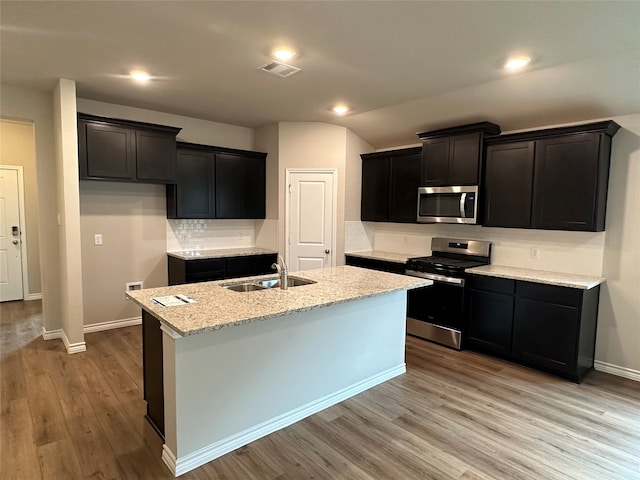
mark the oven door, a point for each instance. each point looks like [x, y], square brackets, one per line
[447, 204]
[435, 313]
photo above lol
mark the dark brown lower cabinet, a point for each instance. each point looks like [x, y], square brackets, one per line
[211, 269]
[490, 328]
[152, 371]
[547, 327]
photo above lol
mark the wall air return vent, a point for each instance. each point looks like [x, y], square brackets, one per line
[279, 69]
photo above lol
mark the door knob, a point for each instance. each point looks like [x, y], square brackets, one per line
[15, 242]
[327, 251]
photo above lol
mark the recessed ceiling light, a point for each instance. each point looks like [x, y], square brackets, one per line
[283, 53]
[140, 76]
[516, 63]
[340, 109]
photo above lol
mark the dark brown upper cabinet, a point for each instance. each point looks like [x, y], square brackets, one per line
[217, 182]
[126, 151]
[390, 182]
[453, 156]
[552, 179]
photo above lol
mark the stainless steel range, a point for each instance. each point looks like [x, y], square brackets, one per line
[436, 313]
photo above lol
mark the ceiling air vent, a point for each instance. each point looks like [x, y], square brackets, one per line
[279, 69]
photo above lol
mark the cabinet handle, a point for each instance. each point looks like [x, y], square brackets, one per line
[327, 251]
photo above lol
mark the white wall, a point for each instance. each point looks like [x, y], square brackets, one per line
[37, 107]
[618, 340]
[70, 250]
[132, 221]
[313, 145]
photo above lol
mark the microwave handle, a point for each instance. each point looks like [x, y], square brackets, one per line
[463, 200]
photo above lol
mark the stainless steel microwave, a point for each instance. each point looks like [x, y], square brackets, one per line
[448, 204]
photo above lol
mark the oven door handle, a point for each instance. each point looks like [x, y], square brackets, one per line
[463, 200]
[457, 282]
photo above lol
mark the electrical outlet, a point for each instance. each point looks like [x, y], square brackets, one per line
[132, 286]
[534, 253]
[97, 239]
[405, 240]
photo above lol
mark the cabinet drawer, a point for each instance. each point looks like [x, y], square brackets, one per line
[247, 266]
[204, 266]
[549, 293]
[491, 284]
[373, 264]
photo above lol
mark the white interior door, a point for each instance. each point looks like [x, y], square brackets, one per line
[10, 241]
[311, 219]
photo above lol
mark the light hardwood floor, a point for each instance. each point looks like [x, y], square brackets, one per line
[453, 415]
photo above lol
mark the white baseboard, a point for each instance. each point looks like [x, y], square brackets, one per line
[33, 296]
[125, 322]
[51, 334]
[59, 333]
[77, 347]
[617, 370]
[206, 454]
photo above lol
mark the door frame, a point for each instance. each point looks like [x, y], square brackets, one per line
[23, 228]
[287, 209]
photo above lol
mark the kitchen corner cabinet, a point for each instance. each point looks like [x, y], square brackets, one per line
[553, 179]
[390, 182]
[453, 156]
[125, 151]
[216, 182]
[210, 269]
[547, 327]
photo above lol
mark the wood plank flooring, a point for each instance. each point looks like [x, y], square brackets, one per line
[453, 415]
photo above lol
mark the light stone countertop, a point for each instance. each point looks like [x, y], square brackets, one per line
[220, 252]
[539, 276]
[217, 307]
[380, 255]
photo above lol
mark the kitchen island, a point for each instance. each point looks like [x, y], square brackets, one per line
[239, 365]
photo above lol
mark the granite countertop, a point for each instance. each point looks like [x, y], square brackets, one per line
[380, 255]
[216, 307]
[539, 276]
[220, 252]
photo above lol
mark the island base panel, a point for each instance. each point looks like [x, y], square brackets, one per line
[229, 387]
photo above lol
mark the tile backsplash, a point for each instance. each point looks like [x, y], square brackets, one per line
[189, 235]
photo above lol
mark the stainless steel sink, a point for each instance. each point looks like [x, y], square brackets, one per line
[244, 287]
[266, 284]
[291, 282]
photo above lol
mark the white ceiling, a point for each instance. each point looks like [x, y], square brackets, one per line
[403, 66]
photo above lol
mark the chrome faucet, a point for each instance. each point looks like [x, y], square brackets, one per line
[281, 267]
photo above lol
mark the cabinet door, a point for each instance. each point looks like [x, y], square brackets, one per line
[545, 335]
[508, 185]
[375, 189]
[464, 159]
[566, 182]
[155, 157]
[239, 186]
[194, 194]
[405, 179]
[489, 318]
[246, 266]
[255, 187]
[435, 162]
[110, 151]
